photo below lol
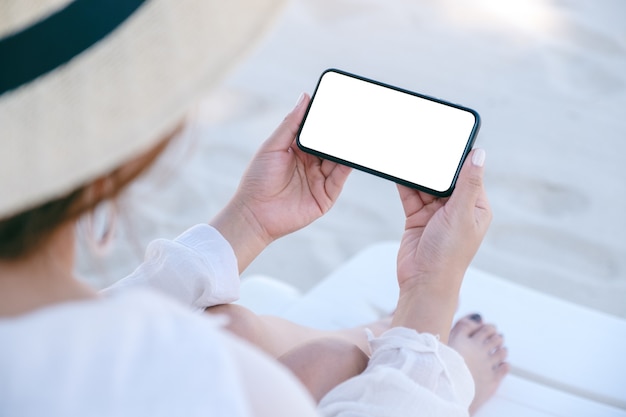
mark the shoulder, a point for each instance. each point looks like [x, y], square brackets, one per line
[138, 348]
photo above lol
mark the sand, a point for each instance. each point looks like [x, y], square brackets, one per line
[547, 77]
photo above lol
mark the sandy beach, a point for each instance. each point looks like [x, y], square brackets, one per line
[547, 77]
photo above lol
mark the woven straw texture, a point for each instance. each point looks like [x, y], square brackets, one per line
[118, 98]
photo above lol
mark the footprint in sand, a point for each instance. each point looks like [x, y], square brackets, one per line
[556, 249]
[581, 74]
[537, 196]
[588, 60]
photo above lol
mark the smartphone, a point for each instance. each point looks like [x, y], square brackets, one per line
[406, 137]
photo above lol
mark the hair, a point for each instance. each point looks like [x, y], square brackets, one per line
[22, 234]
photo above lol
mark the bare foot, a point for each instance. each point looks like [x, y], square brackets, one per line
[483, 349]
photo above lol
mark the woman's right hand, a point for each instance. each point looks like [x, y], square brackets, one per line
[440, 239]
[283, 190]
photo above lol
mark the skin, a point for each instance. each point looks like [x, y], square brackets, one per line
[441, 237]
[483, 349]
[42, 279]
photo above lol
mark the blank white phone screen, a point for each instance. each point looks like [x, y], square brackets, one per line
[405, 136]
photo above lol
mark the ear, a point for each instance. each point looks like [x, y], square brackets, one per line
[96, 192]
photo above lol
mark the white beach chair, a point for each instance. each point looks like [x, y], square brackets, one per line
[567, 360]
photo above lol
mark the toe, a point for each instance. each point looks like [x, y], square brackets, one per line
[484, 332]
[494, 342]
[500, 355]
[467, 325]
[475, 317]
[502, 369]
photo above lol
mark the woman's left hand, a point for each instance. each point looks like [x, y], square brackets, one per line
[283, 190]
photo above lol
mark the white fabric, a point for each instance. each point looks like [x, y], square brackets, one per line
[115, 356]
[409, 374]
[135, 352]
[199, 269]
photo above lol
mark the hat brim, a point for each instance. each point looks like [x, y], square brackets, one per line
[118, 98]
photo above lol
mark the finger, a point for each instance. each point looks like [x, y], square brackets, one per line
[410, 201]
[336, 180]
[413, 200]
[286, 132]
[469, 192]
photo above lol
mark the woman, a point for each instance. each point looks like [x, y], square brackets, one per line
[92, 93]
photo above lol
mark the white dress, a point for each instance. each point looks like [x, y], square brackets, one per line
[140, 350]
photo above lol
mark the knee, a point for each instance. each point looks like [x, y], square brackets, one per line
[325, 363]
[346, 356]
[240, 321]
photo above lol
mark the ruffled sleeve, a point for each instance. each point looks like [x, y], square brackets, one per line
[409, 374]
[198, 268]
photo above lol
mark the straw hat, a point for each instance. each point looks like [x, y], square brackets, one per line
[87, 84]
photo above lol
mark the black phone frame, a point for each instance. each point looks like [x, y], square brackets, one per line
[466, 151]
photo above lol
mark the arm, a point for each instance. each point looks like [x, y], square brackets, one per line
[282, 191]
[440, 239]
[412, 371]
[198, 268]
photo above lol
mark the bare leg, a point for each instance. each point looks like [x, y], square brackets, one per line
[323, 364]
[483, 349]
[320, 359]
[299, 348]
[277, 336]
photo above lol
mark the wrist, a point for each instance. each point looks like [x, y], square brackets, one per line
[240, 228]
[427, 308]
[440, 284]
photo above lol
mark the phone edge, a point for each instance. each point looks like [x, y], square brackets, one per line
[466, 151]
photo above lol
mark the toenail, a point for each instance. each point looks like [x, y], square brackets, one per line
[476, 317]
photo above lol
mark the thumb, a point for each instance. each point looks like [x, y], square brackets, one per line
[284, 135]
[469, 192]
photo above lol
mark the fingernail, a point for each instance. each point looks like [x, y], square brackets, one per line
[476, 317]
[478, 157]
[300, 100]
